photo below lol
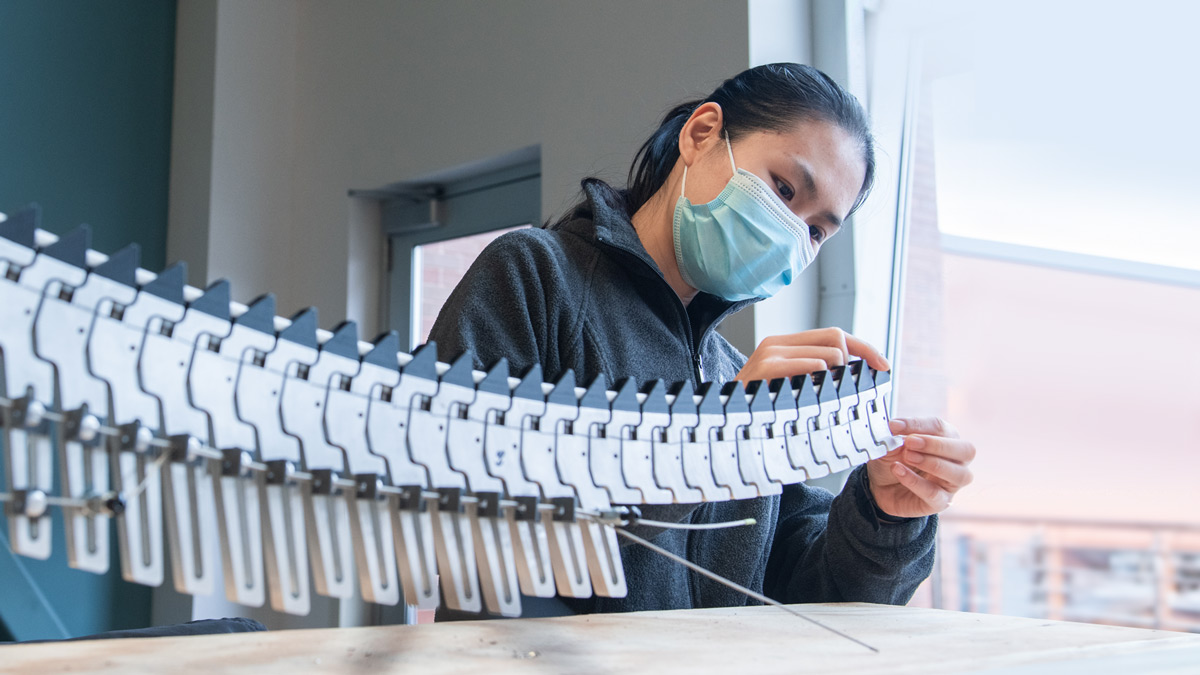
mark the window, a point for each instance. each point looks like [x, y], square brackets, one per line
[438, 225]
[1050, 307]
[437, 269]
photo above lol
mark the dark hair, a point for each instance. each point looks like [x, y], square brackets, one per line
[773, 97]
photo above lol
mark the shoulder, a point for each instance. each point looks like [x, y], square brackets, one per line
[533, 250]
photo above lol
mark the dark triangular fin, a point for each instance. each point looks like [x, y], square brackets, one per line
[72, 247]
[122, 266]
[596, 395]
[861, 376]
[564, 390]
[846, 384]
[461, 369]
[531, 384]
[424, 362]
[685, 401]
[303, 330]
[169, 283]
[760, 393]
[736, 393]
[626, 395]
[882, 377]
[21, 226]
[710, 399]
[806, 394]
[260, 316]
[656, 397]
[383, 354]
[215, 301]
[784, 398]
[496, 381]
[344, 341]
[823, 384]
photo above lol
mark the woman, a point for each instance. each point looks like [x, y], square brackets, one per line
[728, 201]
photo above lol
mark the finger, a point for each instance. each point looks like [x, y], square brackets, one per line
[822, 337]
[923, 488]
[950, 475]
[770, 369]
[837, 338]
[866, 352]
[953, 449]
[930, 426]
[832, 356]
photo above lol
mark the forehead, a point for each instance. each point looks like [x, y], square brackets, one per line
[832, 155]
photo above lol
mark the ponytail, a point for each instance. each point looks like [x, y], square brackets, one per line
[657, 156]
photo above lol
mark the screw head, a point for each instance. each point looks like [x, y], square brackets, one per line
[89, 428]
[35, 412]
[36, 504]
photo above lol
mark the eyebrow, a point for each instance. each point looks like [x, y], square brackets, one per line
[806, 175]
[811, 184]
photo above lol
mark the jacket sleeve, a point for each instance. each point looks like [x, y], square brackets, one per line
[835, 549]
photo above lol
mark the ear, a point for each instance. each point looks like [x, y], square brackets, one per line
[701, 132]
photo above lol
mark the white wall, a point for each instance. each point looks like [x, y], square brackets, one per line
[311, 98]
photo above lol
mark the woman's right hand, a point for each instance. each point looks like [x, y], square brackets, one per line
[807, 352]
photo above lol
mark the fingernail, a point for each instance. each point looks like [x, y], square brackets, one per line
[897, 426]
[914, 442]
[914, 457]
[900, 469]
[887, 365]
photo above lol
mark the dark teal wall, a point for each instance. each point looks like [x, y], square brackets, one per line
[85, 116]
[85, 130]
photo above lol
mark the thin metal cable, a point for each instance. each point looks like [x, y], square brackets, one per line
[154, 467]
[736, 586]
[692, 526]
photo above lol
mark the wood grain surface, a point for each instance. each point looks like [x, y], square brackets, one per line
[742, 640]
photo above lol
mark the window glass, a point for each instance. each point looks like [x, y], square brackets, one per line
[1050, 311]
[438, 267]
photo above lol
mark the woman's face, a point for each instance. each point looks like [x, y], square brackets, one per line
[816, 168]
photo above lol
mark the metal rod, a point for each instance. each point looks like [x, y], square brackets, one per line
[692, 526]
[736, 586]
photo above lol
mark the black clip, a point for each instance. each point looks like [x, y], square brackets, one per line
[324, 482]
[29, 503]
[280, 471]
[410, 498]
[564, 509]
[133, 437]
[367, 485]
[450, 499]
[183, 448]
[235, 462]
[527, 509]
[29, 414]
[489, 504]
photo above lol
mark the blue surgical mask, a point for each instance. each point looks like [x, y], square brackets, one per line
[744, 244]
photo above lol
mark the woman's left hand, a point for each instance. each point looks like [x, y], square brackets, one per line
[921, 477]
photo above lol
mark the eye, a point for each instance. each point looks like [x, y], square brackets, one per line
[817, 234]
[785, 190]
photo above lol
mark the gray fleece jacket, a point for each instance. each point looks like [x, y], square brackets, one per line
[583, 294]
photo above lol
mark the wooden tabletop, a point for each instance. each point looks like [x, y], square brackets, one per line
[744, 640]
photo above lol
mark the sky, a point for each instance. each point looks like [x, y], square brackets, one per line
[1075, 125]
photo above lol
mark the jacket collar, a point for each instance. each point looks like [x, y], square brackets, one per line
[603, 219]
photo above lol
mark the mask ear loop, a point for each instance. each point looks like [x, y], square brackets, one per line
[732, 164]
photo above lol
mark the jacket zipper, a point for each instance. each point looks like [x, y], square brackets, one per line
[681, 312]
